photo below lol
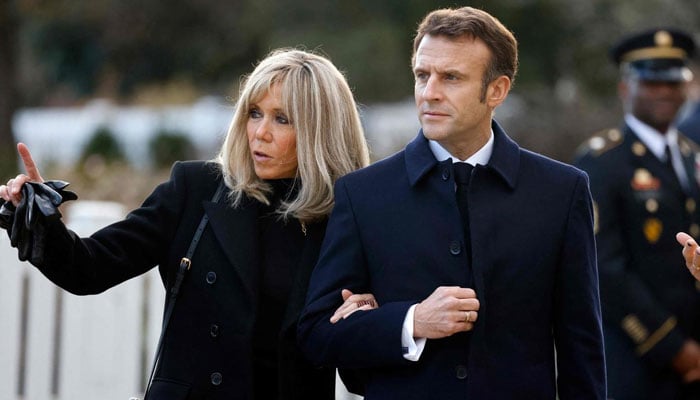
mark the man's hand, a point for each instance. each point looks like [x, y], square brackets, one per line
[12, 191]
[352, 303]
[448, 310]
[687, 361]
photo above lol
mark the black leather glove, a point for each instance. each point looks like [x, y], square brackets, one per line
[28, 223]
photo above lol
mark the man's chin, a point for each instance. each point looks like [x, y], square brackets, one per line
[433, 134]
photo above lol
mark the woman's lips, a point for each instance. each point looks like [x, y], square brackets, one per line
[260, 156]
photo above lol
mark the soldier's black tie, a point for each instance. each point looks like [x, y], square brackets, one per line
[681, 179]
[669, 159]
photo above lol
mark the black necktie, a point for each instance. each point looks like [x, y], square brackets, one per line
[669, 159]
[463, 174]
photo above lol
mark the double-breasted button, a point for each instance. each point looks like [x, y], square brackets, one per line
[445, 174]
[455, 247]
[211, 277]
[216, 378]
[214, 330]
[461, 372]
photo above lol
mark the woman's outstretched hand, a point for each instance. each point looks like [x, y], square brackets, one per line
[691, 253]
[12, 190]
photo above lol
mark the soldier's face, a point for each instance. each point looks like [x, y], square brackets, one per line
[654, 103]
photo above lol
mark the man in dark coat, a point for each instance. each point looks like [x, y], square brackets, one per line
[644, 183]
[484, 269]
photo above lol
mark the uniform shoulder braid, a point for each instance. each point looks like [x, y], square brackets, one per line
[601, 142]
[687, 145]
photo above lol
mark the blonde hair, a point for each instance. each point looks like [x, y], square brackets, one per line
[329, 137]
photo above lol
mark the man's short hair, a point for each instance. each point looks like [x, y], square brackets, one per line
[476, 23]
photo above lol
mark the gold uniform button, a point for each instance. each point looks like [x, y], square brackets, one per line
[690, 205]
[685, 149]
[694, 230]
[638, 149]
[652, 205]
[614, 135]
[596, 143]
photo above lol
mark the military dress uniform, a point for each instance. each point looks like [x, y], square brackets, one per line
[645, 189]
[650, 303]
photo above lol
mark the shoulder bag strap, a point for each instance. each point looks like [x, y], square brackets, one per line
[185, 264]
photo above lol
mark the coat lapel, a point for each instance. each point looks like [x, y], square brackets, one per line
[236, 229]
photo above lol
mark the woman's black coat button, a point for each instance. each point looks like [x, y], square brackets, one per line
[461, 372]
[216, 379]
[214, 330]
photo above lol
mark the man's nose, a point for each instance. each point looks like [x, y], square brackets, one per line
[432, 90]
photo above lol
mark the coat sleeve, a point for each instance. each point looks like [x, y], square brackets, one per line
[367, 338]
[577, 324]
[119, 251]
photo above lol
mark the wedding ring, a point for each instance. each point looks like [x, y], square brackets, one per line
[469, 317]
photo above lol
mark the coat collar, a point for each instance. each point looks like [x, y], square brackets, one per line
[505, 158]
[236, 230]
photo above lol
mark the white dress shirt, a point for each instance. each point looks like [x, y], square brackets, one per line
[656, 143]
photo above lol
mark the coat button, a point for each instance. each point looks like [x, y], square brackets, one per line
[445, 174]
[461, 372]
[455, 247]
[211, 277]
[214, 330]
[216, 379]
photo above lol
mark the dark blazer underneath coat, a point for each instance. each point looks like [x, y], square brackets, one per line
[396, 232]
[651, 304]
[207, 346]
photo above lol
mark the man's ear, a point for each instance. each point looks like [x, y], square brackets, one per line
[497, 91]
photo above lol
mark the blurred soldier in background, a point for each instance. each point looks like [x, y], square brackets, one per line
[689, 124]
[644, 184]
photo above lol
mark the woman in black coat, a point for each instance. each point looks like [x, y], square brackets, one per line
[232, 332]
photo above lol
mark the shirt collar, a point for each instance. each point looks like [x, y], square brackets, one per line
[653, 139]
[482, 156]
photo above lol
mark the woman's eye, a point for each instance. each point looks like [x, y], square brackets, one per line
[254, 113]
[282, 119]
